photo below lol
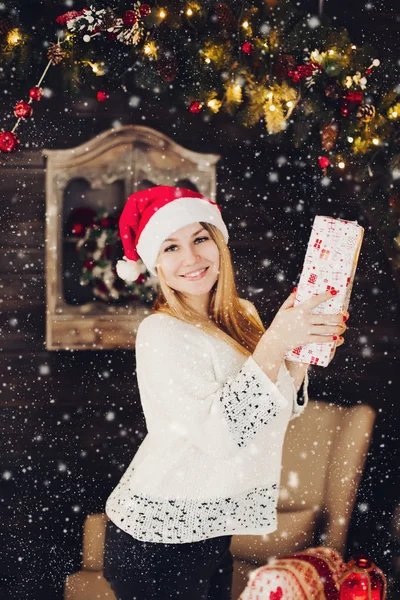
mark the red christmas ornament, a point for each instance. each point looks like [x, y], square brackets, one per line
[144, 10]
[22, 110]
[323, 162]
[368, 71]
[102, 96]
[78, 229]
[105, 222]
[8, 141]
[36, 93]
[195, 107]
[141, 278]
[89, 264]
[362, 580]
[129, 18]
[344, 109]
[247, 47]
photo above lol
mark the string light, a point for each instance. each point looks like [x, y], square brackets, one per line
[207, 60]
[150, 49]
[214, 105]
[162, 14]
[375, 141]
[350, 139]
[289, 104]
[341, 165]
[14, 37]
[245, 24]
[272, 108]
[189, 12]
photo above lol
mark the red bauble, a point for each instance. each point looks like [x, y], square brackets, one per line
[129, 18]
[195, 107]
[102, 96]
[8, 141]
[144, 10]
[89, 264]
[36, 93]
[344, 109]
[105, 222]
[141, 278]
[22, 110]
[323, 162]
[368, 71]
[78, 229]
[247, 47]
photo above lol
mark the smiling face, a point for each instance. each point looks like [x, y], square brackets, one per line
[189, 250]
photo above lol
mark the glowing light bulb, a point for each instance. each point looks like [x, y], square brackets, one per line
[375, 141]
[341, 165]
[290, 103]
[162, 14]
[245, 24]
[14, 37]
[189, 12]
[208, 60]
[350, 139]
[272, 108]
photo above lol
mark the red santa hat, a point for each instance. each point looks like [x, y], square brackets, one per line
[151, 215]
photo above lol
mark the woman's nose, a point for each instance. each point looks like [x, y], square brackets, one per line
[190, 255]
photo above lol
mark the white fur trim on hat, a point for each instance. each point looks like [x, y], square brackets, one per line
[170, 218]
[129, 270]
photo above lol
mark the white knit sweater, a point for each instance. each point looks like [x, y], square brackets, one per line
[210, 462]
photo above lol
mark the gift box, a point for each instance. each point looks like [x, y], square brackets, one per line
[313, 574]
[330, 263]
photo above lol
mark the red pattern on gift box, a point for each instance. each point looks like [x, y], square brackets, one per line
[330, 263]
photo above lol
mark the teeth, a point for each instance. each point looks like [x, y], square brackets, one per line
[195, 274]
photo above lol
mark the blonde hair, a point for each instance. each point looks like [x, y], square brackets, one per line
[229, 320]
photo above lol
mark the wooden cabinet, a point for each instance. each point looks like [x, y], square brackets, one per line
[102, 173]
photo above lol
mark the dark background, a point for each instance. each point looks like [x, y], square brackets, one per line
[71, 421]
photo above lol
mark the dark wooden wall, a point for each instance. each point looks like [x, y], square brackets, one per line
[71, 421]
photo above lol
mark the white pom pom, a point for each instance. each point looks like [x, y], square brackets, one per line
[128, 270]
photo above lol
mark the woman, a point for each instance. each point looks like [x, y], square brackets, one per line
[217, 396]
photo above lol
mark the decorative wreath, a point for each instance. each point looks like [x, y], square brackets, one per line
[97, 245]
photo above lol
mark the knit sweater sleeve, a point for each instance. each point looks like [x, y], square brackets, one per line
[176, 379]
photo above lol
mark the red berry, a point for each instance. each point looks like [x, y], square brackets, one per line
[323, 162]
[195, 107]
[36, 93]
[129, 18]
[144, 10]
[78, 228]
[247, 47]
[102, 96]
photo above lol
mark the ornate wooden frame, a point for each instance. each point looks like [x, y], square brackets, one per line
[131, 153]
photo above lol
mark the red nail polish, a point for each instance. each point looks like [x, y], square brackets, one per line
[335, 337]
[333, 292]
[294, 290]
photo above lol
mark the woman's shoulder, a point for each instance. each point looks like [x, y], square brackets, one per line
[161, 326]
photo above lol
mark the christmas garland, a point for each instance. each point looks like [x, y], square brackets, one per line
[260, 62]
[97, 243]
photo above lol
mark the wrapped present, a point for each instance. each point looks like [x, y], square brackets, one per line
[330, 263]
[313, 574]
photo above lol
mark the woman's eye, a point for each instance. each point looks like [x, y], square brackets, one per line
[174, 245]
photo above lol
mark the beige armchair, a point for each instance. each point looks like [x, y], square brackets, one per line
[323, 459]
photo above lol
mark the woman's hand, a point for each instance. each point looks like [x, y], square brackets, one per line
[298, 326]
